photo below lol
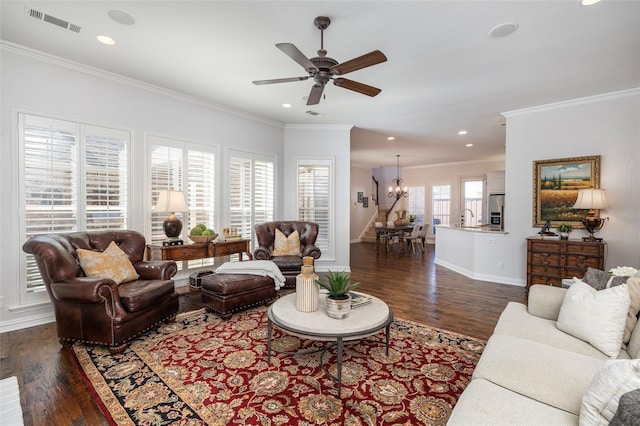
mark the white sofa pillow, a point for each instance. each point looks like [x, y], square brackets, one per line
[614, 379]
[597, 317]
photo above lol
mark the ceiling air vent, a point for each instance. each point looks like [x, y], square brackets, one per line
[310, 112]
[41, 16]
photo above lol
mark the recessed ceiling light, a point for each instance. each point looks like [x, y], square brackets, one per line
[391, 138]
[286, 105]
[589, 2]
[121, 17]
[503, 30]
[469, 145]
[462, 132]
[106, 40]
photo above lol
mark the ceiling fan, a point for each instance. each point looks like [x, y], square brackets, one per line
[323, 68]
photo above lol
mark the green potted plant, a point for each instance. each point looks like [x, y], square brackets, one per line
[338, 299]
[564, 229]
[412, 218]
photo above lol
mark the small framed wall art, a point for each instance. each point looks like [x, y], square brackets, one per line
[365, 201]
[360, 197]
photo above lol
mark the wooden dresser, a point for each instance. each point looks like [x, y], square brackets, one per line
[549, 261]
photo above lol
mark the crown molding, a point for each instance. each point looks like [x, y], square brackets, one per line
[574, 102]
[106, 75]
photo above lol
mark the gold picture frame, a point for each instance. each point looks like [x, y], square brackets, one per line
[555, 189]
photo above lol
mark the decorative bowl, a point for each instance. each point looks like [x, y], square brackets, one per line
[203, 238]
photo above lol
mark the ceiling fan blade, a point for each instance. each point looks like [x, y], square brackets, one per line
[294, 53]
[315, 95]
[371, 58]
[365, 89]
[280, 80]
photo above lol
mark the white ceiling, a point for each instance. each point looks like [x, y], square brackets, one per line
[444, 72]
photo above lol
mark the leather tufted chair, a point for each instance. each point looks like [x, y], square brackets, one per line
[97, 310]
[290, 266]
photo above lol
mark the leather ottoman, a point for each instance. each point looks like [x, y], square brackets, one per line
[229, 293]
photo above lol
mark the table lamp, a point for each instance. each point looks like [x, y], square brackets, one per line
[594, 200]
[172, 201]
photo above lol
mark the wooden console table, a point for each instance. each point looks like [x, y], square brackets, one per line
[549, 261]
[199, 250]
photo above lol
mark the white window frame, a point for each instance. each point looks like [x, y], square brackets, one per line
[325, 241]
[245, 224]
[182, 147]
[84, 132]
[433, 210]
[416, 203]
[479, 208]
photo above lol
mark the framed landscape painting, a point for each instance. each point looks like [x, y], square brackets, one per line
[555, 189]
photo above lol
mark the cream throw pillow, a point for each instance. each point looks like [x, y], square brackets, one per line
[286, 246]
[597, 317]
[614, 379]
[633, 285]
[111, 263]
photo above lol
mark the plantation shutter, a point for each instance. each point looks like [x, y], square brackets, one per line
[106, 171]
[191, 168]
[74, 177]
[166, 173]
[240, 194]
[314, 193]
[251, 191]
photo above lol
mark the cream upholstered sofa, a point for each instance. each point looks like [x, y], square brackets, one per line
[532, 373]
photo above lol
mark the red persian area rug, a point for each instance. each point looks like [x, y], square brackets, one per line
[202, 370]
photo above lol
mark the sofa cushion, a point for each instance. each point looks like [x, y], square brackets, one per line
[111, 263]
[486, 404]
[546, 374]
[516, 321]
[582, 304]
[286, 245]
[143, 294]
[613, 380]
[288, 263]
[633, 285]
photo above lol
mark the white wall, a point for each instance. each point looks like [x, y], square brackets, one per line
[360, 216]
[38, 83]
[322, 142]
[607, 125]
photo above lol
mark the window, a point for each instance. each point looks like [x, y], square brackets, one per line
[314, 195]
[189, 167]
[74, 176]
[416, 202]
[251, 191]
[441, 205]
[472, 204]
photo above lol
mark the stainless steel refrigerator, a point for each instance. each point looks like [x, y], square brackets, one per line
[496, 211]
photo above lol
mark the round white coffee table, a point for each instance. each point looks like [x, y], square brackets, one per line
[362, 322]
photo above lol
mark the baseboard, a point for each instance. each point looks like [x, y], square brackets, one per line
[480, 277]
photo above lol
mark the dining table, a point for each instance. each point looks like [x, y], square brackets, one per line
[393, 231]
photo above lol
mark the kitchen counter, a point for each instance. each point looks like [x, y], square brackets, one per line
[475, 252]
[482, 229]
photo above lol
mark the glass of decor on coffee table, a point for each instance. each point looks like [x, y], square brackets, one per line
[362, 322]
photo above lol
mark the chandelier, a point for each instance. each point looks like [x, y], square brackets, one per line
[398, 192]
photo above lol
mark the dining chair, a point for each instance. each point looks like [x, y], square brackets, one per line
[414, 238]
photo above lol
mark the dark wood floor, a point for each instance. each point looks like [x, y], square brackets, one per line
[53, 393]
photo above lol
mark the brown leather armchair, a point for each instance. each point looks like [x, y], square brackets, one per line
[97, 310]
[290, 266]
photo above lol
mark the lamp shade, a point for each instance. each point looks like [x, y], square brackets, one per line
[171, 201]
[592, 199]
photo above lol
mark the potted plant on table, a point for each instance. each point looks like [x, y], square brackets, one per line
[564, 229]
[338, 300]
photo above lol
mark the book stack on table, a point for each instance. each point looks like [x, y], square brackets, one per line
[358, 299]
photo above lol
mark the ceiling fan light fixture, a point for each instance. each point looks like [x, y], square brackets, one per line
[106, 40]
